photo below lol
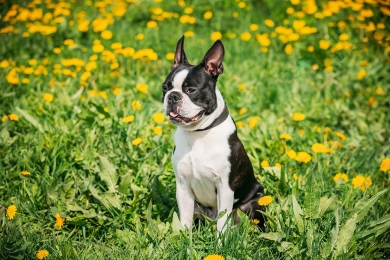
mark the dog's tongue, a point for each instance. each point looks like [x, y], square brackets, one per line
[173, 114]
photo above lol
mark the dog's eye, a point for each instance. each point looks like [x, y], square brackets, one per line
[165, 88]
[191, 90]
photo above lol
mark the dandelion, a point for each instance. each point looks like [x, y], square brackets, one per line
[157, 130]
[142, 87]
[170, 56]
[106, 34]
[385, 165]
[361, 74]
[42, 254]
[136, 141]
[288, 49]
[158, 118]
[255, 221]
[4, 118]
[151, 24]
[265, 201]
[310, 48]
[324, 44]
[11, 212]
[341, 136]
[214, 257]
[253, 27]
[59, 221]
[264, 164]
[379, 91]
[295, 177]
[208, 15]
[278, 165]
[269, 23]
[371, 101]
[243, 111]
[303, 157]
[340, 176]
[216, 36]
[246, 36]
[285, 136]
[136, 105]
[298, 117]
[139, 37]
[13, 117]
[253, 121]
[291, 154]
[25, 173]
[128, 119]
[361, 182]
[48, 97]
[318, 148]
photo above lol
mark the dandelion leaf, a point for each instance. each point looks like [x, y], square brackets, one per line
[363, 205]
[330, 244]
[107, 173]
[345, 235]
[312, 198]
[274, 236]
[297, 214]
[327, 205]
[176, 225]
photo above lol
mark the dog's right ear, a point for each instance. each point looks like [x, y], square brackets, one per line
[180, 55]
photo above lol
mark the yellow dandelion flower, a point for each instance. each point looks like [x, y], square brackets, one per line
[42, 254]
[157, 130]
[139, 36]
[240, 124]
[361, 74]
[269, 23]
[295, 177]
[4, 118]
[170, 56]
[303, 157]
[385, 165]
[295, 2]
[265, 201]
[216, 36]
[25, 173]
[48, 97]
[255, 221]
[106, 34]
[285, 136]
[324, 44]
[341, 136]
[361, 182]
[253, 121]
[340, 176]
[128, 119]
[278, 165]
[158, 118]
[136, 105]
[291, 154]
[117, 91]
[242, 110]
[142, 87]
[253, 27]
[379, 91]
[13, 117]
[59, 221]
[136, 141]
[298, 117]
[288, 49]
[264, 164]
[11, 212]
[151, 24]
[214, 257]
[310, 48]
[318, 148]
[208, 15]
[246, 36]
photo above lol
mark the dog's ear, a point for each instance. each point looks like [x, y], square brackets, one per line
[180, 55]
[212, 61]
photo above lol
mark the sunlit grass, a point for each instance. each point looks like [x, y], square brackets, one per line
[85, 152]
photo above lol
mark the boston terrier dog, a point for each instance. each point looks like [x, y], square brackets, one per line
[213, 172]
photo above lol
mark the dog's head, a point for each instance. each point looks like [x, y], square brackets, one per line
[189, 94]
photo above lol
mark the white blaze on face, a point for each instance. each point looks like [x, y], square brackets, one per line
[188, 108]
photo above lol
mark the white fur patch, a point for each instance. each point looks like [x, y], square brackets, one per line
[179, 79]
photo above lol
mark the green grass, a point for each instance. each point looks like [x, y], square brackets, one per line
[118, 199]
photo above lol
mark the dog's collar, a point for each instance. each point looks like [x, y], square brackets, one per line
[219, 120]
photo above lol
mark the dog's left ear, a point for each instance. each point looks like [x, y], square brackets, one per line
[212, 61]
[180, 55]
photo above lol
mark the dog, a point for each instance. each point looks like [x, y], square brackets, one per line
[212, 169]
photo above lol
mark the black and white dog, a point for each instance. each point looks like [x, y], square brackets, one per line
[213, 172]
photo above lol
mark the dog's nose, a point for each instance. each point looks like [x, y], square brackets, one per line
[174, 98]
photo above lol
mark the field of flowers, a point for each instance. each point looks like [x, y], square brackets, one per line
[85, 169]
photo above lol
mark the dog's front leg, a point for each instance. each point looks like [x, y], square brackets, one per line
[186, 202]
[225, 197]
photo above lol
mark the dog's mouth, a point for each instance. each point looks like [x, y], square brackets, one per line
[179, 119]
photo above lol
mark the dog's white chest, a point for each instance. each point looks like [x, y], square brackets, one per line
[201, 160]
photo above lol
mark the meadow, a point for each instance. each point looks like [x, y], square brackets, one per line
[85, 169]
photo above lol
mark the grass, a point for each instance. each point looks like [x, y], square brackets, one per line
[117, 196]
